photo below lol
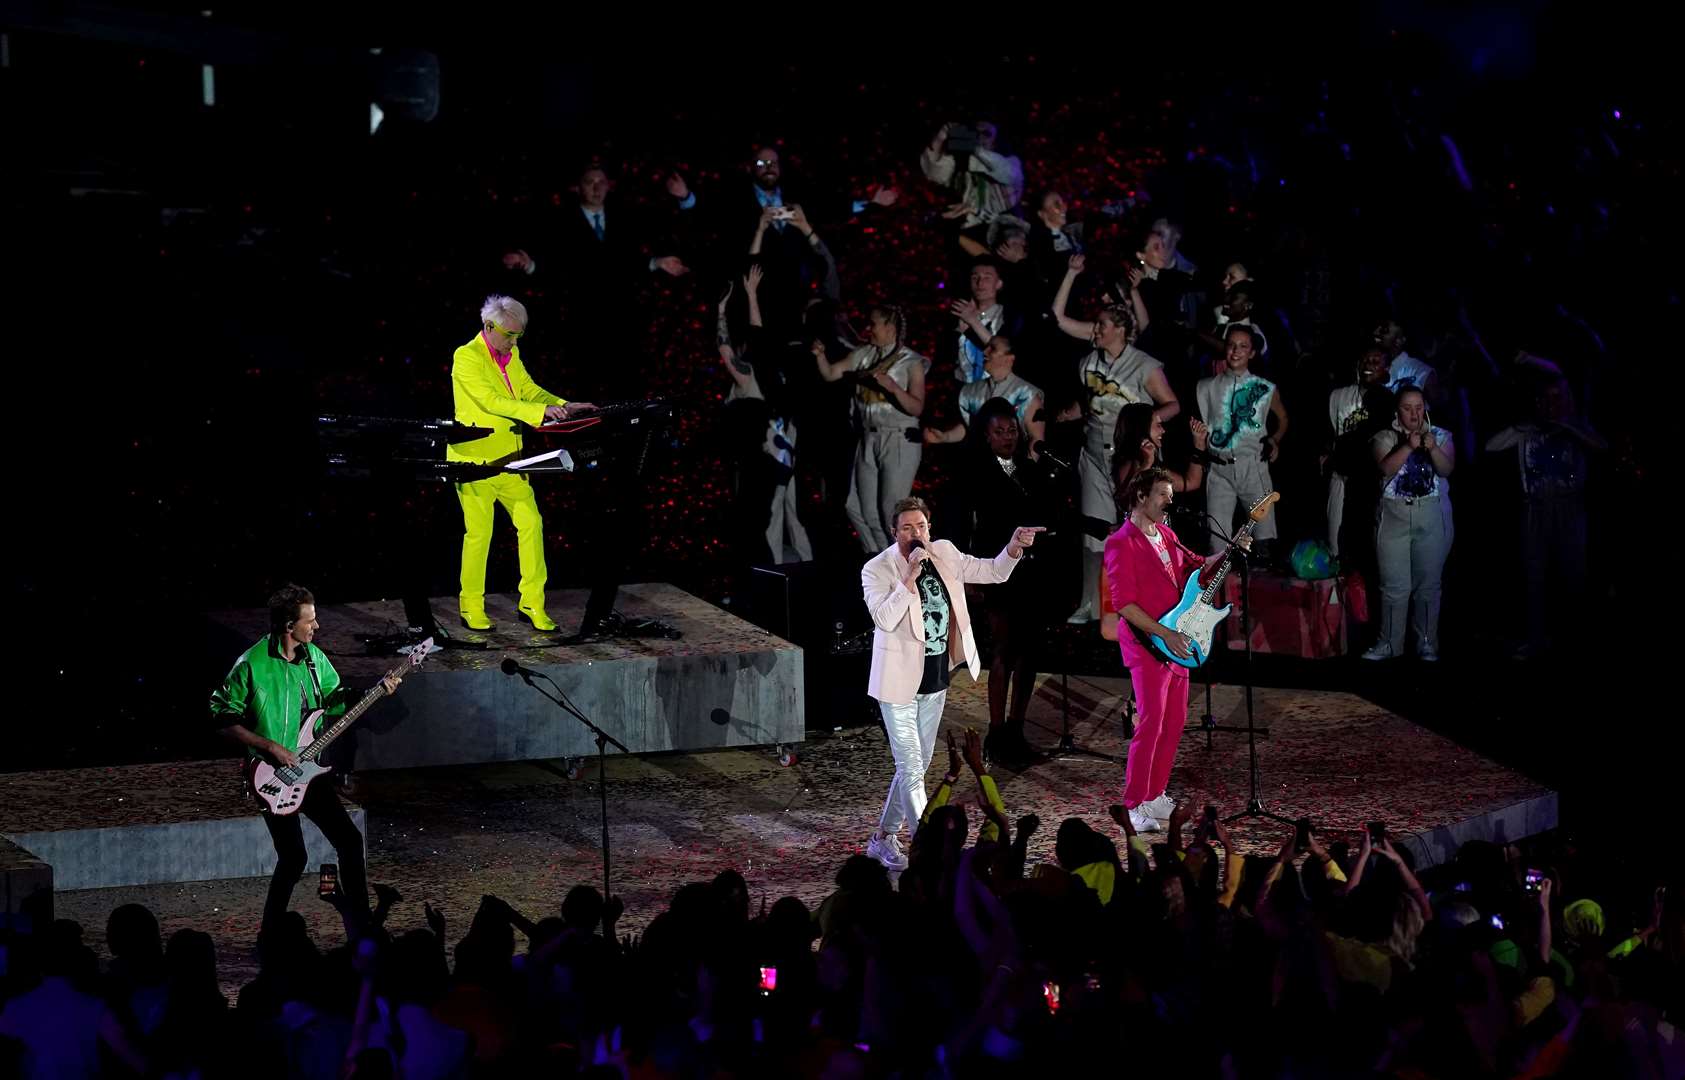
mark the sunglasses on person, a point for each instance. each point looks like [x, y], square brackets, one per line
[512, 335]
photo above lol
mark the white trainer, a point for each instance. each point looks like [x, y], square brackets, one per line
[886, 850]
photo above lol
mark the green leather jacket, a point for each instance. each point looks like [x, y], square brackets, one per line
[269, 694]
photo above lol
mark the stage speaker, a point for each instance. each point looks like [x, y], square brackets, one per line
[819, 607]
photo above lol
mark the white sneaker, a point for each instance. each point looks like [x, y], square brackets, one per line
[1143, 821]
[1430, 656]
[1379, 652]
[1082, 616]
[886, 850]
[1161, 806]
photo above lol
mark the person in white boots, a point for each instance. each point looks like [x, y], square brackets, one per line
[915, 590]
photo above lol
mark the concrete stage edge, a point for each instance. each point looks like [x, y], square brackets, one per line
[724, 683]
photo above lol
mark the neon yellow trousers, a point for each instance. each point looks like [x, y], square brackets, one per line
[479, 507]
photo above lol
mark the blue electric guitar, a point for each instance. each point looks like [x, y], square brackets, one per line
[1195, 616]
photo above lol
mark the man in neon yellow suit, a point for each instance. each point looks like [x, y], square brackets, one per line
[491, 388]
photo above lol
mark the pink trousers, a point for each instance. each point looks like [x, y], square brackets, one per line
[1161, 711]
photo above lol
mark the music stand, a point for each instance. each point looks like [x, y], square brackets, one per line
[393, 453]
[1067, 746]
[608, 557]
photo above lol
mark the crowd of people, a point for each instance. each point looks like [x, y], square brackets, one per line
[1069, 322]
[1326, 956]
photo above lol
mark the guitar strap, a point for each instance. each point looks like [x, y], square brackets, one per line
[1189, 551]
[1197, 557]
[315, 680]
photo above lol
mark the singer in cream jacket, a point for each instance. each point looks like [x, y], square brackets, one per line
[915, 582]
[898, 637]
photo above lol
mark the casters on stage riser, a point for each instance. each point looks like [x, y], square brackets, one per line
[573, 767]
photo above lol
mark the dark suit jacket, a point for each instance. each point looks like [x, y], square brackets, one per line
[996, 504]
[1166, 337]
[594, 274]
[596, 284]
[793, 271]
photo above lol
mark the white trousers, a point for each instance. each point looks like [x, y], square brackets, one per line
[912, 740]
[1336, 511]
[1232, 490]
[785, 536]
[885, 464]
[1412, 541]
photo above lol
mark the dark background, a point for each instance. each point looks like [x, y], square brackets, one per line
[190, 285]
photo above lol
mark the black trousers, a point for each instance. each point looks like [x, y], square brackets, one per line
[322, 806]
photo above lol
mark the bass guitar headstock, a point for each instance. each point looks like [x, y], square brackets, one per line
[418, 652]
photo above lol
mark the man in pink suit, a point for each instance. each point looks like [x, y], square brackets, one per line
[915, 590]
[1146, 570]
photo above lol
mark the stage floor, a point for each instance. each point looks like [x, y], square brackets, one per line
[523, 831]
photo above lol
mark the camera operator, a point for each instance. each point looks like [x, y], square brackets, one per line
[989, 182]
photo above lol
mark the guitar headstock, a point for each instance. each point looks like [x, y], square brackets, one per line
[1261, 509]
[418, 652]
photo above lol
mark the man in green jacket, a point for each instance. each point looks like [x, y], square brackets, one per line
[262, 703]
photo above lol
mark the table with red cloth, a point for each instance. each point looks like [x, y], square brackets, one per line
[1294, 617]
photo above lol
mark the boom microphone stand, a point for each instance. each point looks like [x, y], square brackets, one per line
[510, 667]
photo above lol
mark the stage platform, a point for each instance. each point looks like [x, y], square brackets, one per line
[724, 683]
[525, 832]
[144, 825]
[24, 879]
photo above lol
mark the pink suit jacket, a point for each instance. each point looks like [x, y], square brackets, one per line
[1135, 575]
[898, 640]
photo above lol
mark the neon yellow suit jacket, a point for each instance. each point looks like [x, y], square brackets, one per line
[483, 400]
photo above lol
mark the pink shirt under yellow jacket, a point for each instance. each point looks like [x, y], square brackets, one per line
[1136, 575]
[495, 392]
[501, 359]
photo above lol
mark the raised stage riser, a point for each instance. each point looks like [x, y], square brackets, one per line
[23, 876]
[207, 850]
[1502, 825]
[676, 702]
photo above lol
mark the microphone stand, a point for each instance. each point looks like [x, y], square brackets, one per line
[1254, 799]
[603, 740]
[1067, 746]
